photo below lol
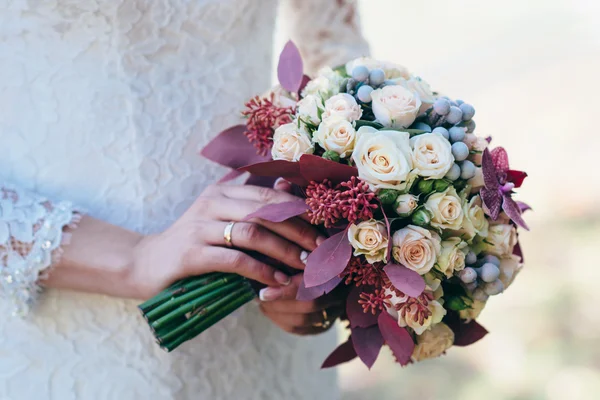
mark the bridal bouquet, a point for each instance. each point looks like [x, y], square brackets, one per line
[419, 210]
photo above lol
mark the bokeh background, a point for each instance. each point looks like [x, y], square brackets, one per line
[531, 69]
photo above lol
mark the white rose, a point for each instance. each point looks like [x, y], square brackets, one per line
[501, 240]
[475, 221]
[509, 268]
[343, 105]
[281, 97]
[433, 343]
[452, 256]
[308, 109]
[392, 71]
[326, 84]
[416, 248]
[383, 158]
[336, 134]
[406, 204]
[471, 313]
[412, 313]
[395, 106]
[290, 142]
[446, 209]
[369, 238]
[432, 155]
[422, 88]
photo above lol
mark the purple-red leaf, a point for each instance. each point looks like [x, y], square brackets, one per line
[232, 149]
[343, 353]
[262, 181]
[289, 69]
[288, 170]
[466, 334]
[279, 212]
[399, 340]
[516, 177]
[355, 312]
[328, 260]
[367, 344]
[523, 206]
[230, 175]
[404, 279]
[315, 168]
[492, 202]
[511, 208]
[305, 80]
[490, 177]
[311, 293]
[500, 159]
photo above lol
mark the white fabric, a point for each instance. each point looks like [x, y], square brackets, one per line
[105, 104]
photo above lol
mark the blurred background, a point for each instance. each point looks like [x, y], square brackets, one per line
[531, 70]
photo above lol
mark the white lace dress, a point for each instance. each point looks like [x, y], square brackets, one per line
[105, 104]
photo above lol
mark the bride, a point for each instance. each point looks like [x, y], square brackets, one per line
[104, 104]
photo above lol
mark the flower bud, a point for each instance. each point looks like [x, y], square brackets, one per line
[425, 186]
[388, 196]
[455, 303]
[405, 204]
[421, 217]
[439, 185]
[331, 155]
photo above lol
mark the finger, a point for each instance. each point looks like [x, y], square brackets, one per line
[295, 320]
[295, 230]
[251, 236]
[282, 185]
[228, 260]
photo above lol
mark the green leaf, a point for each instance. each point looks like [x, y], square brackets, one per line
[372, 124]
[412, 131]
[341, 69]
[456, 303]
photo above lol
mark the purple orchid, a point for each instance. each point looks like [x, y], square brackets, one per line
[499, 181]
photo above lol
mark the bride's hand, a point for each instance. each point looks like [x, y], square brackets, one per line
[195, 243]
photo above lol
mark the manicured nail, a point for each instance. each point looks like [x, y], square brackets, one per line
[304, 256]
[269, 294]
[282, 278]
[320, 240]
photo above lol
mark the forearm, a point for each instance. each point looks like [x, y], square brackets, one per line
[98, 259]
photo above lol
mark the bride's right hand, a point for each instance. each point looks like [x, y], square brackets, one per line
[195, 243]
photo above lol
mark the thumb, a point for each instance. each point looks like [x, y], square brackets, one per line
[282, 185]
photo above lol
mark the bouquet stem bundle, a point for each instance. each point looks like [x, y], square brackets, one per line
[191, 306]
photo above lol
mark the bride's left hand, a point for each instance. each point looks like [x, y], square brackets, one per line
[300, 317]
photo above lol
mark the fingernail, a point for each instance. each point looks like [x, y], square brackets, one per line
[320, 240]
[269, 294]
[282, 278]
[304, 256]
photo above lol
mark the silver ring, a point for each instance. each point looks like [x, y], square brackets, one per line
[227, 234]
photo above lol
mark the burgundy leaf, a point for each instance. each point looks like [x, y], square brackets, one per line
[343, 353]
[500, 158]
[262, 181]
[277, 168]
[355, 312]
[511, 208]
[466, 333]
[279, 212]
[311, 293]
[230, 175]
[231, 148]
[367, 343]
[516, 177]
[490, 177]
[492, 202]
[399, 340]
[517, 251]
[523, 206]
[305, 80]
[488, 139]
[315, 168]
[404, 279]
[289, 69]
[328, 260]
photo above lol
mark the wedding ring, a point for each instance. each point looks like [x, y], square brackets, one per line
[227, 234]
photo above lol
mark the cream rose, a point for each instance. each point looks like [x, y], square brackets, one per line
[290, 142]
[395, 106]
[509, 268]
[281, 97]
[422, 88]
[326, 84]
[452, 256]
[383, 158]
[501, 240]
[392, 70]
[446, 209]
[416, 248]
[477, 144]
[433, 343]
[309, 108]
[432, 155]
[473, 311]
[475, 222]
[405, 204]
[411, 313]
[343, 105]
[476, 182]
[336, 134]
[369, 238]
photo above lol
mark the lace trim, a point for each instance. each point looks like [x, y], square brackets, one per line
[31, 236]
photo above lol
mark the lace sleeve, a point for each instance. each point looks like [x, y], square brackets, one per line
[327, 32]
[31, 235]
